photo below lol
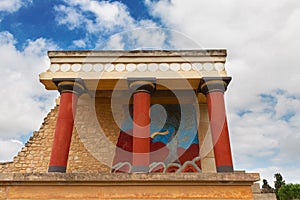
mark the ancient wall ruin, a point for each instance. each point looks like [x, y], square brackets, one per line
[35, 155]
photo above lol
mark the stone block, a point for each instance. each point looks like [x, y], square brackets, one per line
[256, 188]
[208, 165]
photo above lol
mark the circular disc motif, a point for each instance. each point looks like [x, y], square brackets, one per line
[131, 67]
[109, 67]
[197, 66]
[153, 67]
[76, 67]
[219, 66]
[163, 67]
[65, 67]
[175, 67]
[87, 67]
[120, 67]
[186, 66]
[98, 67]
[142, 67]
[208, 66]
[54, 67]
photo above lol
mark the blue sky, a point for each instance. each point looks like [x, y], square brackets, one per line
[262, 40]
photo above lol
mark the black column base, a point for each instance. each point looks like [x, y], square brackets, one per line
[224, 168]
[61, 169]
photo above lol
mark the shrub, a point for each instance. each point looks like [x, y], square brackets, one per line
[289, 192]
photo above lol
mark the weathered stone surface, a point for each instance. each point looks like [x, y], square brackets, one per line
[126, 192]
[264, 196]
[127, 186]
[236, 178]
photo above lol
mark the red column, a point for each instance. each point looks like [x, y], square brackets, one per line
[141, 125]
[141, 130]
[214, 88]
[64, 126]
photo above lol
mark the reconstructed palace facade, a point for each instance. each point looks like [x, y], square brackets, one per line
[131, 124]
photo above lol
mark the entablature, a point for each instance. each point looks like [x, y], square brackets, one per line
[103, 70]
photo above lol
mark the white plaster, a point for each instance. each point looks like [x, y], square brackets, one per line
[208, 66]
[98, 67]
[87, 67]
[219, 66]
[152, 67]
[120, 67]
[197, 66]
[175, 66]
[76, 67]
[109, 67]
[131, 67]
[163, 67]
[65, 67]
[142, 67]
[186, 66]
[54, 67]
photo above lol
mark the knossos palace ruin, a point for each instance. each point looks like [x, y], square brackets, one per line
[146, 124]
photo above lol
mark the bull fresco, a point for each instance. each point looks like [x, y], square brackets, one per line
[174, 145]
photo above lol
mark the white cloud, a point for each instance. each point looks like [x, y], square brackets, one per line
[94, 16]
[13, 5]
[79, 43]
[266, 130]
[139, 38]
[24, 101]
[111, 23]
[68, 16]
[6, 38]
[115, 42]
[9, 149]
[149, 35]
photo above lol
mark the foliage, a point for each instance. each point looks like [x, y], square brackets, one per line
[266, 188]
[289, 192]
[278, 183]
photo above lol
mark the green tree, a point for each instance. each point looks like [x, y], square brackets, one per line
[266, 188]
[278, 183]
[289, 192]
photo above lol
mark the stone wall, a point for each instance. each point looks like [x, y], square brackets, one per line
[87, 148]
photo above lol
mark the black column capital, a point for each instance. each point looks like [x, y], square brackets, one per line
[74, 85]
[213, 84]
[142, 85]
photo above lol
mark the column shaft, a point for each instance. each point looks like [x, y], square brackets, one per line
[219, 129]
[70, 90]
[63, 132]
[141, 89]
[214, 88]
[141, 131]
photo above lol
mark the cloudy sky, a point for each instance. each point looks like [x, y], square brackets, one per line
[261, 37]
